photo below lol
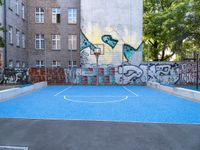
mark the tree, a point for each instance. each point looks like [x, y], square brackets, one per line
[170, 27]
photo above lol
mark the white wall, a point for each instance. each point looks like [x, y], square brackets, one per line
[122, 19]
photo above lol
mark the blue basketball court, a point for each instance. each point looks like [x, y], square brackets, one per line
[102, 103]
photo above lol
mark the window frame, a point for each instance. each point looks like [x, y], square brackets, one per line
[72, 63]
[10, 5]
[57, 63]
[40, 63]
[10, 34]
[23, 64]
[17, 38]
[71, 45]
[71, 15]
[41, 41]
[23, 11]
[17, 65]
[56, 38]
[40, 15]
[23, 40]
[54, 15]
[17, 5]
[10, 63]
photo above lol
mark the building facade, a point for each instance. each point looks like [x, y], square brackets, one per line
[42, 33]
[53, 33]
[16, 26]
[1, 35]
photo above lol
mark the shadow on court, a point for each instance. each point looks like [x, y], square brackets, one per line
[84, 135]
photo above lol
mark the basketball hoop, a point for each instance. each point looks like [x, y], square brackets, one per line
[97, 52]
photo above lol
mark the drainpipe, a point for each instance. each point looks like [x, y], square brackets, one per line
[5, 34]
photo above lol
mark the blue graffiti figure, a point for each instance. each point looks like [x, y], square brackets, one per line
[85, 43]
[109, 40]
[128, 51]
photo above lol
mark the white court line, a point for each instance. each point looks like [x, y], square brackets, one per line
[97, 96]
[62, 91]
[88, 102]
[130, 91]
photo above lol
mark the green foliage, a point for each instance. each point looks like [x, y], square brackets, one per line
[171, 27]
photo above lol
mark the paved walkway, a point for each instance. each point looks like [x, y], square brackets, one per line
[83, 135]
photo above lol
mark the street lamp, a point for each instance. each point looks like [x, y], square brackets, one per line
[97, 53]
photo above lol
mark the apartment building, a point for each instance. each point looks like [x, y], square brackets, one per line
[42, 33]
[53, 33]
[16, 26]
[1, 35]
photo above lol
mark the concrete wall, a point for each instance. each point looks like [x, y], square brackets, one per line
[117, 25]
[47, 28]
[11, 93]
[185, 93]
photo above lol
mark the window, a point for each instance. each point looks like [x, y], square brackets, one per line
[39, 41]
[56, 63]
[55, 15]
[17, 63]
[11, 63]
[72, 16]
[17, 38]
[10, 35]
[17, 7]
[72, 64]
[39, 15]
[72, 42]
[23, 41]
[23, 64]
[10, 6]
[39, 63]
[23, 11]
[56, 42]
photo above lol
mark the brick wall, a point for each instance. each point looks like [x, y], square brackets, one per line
[54, 75]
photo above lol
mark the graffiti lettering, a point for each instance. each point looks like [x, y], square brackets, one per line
[85, 43]
[128, 51]
[109, 40]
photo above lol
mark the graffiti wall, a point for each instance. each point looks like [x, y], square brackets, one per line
[189, 73]
[128, 74]
[115, 28]
[124, 74]
[166, 73]
[14, 76]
